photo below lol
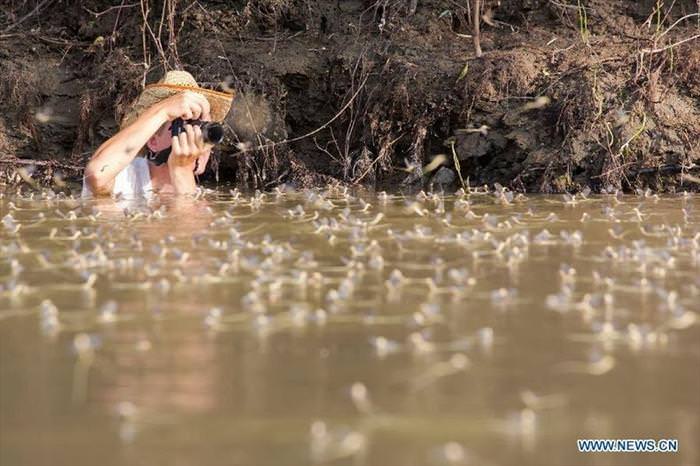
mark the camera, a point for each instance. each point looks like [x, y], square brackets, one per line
[212, 133]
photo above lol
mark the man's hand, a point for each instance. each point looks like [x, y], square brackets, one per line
[202, 161]
[187, 148]
[187, 105]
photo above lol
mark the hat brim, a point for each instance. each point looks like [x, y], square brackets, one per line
[219, 102]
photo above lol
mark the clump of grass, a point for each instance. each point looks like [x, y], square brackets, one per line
[583, 22]
[625, 148]
[458, 167]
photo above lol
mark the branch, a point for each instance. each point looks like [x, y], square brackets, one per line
[28, 15]
[663, 49]
[323, 126]
[676, 23]
[476, 25]
[97, 14]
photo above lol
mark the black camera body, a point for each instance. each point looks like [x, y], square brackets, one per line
[212, 133]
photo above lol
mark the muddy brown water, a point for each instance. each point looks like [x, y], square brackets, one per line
[324, 327]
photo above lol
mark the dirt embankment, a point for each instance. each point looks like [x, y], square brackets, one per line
[567, 94]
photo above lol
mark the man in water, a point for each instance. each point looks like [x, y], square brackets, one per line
[116, 169]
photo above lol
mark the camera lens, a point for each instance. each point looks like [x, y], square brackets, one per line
[213, 133]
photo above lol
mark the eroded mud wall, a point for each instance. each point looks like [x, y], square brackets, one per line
[567, 94]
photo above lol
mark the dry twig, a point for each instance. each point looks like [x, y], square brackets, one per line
[476, 23]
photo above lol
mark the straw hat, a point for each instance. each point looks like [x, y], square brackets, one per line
[173, 83]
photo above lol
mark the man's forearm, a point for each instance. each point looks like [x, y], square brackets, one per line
[118, 151]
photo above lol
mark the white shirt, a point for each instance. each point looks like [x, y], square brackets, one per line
[133, 181]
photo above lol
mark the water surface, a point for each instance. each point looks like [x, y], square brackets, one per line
[333, 328]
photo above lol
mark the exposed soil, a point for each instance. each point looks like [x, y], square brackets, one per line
[568, 94]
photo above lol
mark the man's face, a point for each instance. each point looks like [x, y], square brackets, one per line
[162, 139]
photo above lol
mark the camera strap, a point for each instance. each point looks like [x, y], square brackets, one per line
[158, 158]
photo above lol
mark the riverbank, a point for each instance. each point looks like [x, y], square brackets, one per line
[567, 95]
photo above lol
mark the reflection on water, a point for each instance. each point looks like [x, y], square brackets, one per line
[330, 328]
